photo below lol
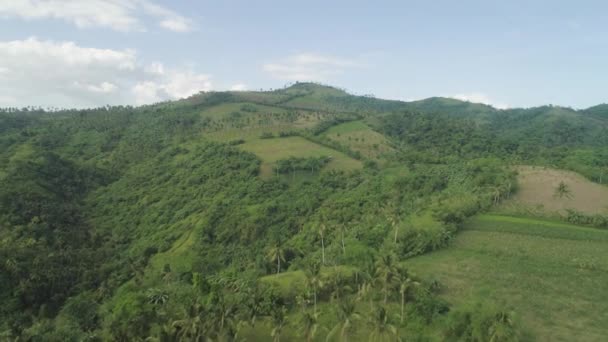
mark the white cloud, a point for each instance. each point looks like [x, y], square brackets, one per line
[176, 24]
[309, 67]
[63, 74]
[479, 98]
[103, 87]
[238, 87]
[175, 85]
[119, 15]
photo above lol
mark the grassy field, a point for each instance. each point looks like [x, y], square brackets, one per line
[359, 137]
[537, 189]
[552, 274]
[225, 109]
[271, 150]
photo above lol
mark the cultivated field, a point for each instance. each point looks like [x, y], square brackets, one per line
[359, 137]
[537, 191]
[271, 150]
[552, 274]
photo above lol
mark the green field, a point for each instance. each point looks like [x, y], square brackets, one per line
[359, 137]
[271, 150]
[552, 275]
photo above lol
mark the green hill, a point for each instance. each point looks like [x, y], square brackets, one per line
[299, 208]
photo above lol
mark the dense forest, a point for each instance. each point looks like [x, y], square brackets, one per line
[165, 222]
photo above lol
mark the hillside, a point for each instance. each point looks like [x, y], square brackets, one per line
[537, 191]
[547, 271]
[303, 212]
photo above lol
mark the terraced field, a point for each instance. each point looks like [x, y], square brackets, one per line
[552, 274]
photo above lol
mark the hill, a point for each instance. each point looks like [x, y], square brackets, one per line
[298, 208]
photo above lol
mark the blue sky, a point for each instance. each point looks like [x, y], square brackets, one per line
[507, 53]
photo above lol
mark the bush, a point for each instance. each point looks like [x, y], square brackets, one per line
[267, 135]
[236, 142]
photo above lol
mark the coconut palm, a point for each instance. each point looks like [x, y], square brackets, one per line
[279, 320]
[339, 285]
[309, 325]
[405, 283]
[276, 253]
[314, 281]
[366, 286]
[342, 228]
[562, 190]
[382, 329]
[347, 315]
[322, 229]
[192, 327]
[386, 270]
[394, 220]
[224, 320]
[502, 327]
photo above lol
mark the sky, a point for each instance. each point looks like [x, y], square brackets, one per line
[88, 53]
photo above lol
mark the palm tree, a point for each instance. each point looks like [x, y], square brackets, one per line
[276, 253]
[405, 283]
[347, 315]
[386, 270]
[309, 325]
[366, 287]
[192, 327]
[339, 285]
[502, 327]
[563, 190]
[382, 329]
[314, 281]
[279, 320]
[342, 231]
[322, 229]
[496, 193]
[393, 217]
[224, 319]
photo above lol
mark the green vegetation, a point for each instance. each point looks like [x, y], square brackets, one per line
[545, 271]
[303, 213]
[273, 151]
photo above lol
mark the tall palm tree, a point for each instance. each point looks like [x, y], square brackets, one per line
[192, 327]
[224, 320]
[309, 325]
[339, 284]
[276, 253]
[279, 320]
[366, 286]
[404, 283]
[386, 270]
[342, 228]
[314, 281]
[322, 229]
[347, 315]
[393, 216]
[382, 329]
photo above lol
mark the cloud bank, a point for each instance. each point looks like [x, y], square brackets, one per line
[119, 15]
[309, 67]
[51, 73]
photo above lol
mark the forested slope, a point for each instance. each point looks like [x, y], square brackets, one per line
[169, 221]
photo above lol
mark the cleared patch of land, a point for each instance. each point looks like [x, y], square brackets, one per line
[272, 150]
[552, 274]
[537, 186]
[359, 137]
